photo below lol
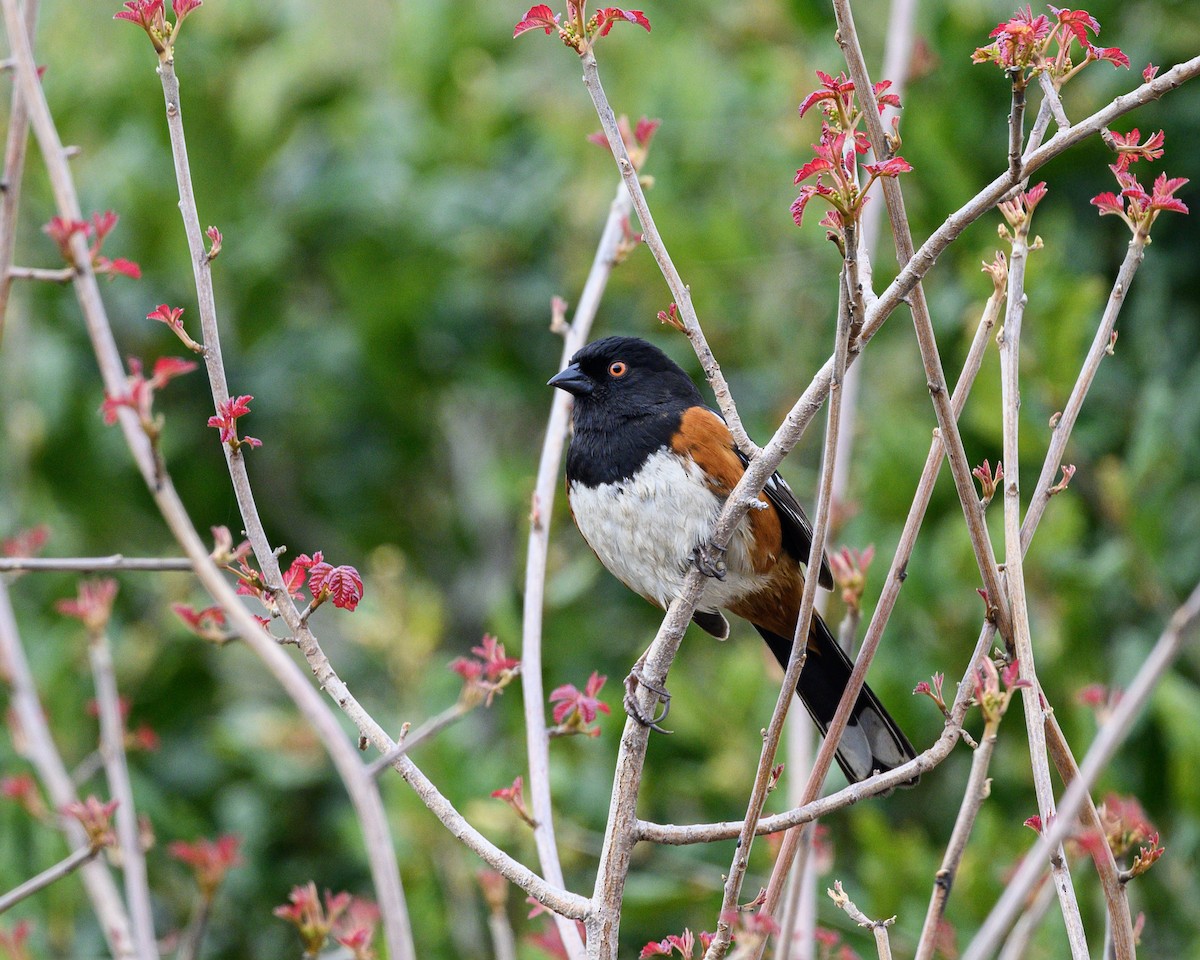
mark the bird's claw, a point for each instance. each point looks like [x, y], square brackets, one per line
[637, 679]
[710, 560]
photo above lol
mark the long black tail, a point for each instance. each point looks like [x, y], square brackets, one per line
[873, 742]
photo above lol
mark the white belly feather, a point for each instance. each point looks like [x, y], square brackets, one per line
[644, 530]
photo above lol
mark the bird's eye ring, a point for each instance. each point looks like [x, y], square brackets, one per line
[617, 369]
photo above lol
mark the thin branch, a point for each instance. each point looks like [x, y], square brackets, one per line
[362, 790]
[429, 729]
[1116, 894]
[43, 274]
[681, 293]
[65, 867]
[1095, 355]
[40, 750]
[93, 564]
[1016, 945]
[1053, 102]
[1016, 126]
[116, 771]
[926, 340]
[1110, 736]
[820, 531]
[1010, 351]
[800, 909]
[877, 927]
[897, 572]
[541, 513]
[14, 168]
[193, 936]
[977, 790]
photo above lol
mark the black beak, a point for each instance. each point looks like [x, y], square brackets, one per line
[573, 380]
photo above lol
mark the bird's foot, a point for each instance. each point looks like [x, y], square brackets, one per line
[637, 678]
[710, 560]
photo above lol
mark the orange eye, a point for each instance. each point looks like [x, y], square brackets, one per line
[617, 370]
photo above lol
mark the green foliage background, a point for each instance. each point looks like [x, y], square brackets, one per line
[402, 188]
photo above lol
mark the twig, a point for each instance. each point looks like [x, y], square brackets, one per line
[1053, 101]
[878, 927]
[1010, 348]
[362, 790]
[896, 574]
[43, 274]
[1016, 125]
[14, 168]
[65, 867]
[52, 772]
[977, 789]
[1095, 355]
[193, 936]
[1109, 737]
[820, 531]
[926, 340]
[1116, 895]
[545, 488]
[681, 293]
[800, 910]
[116, 771]
[1016, 946]
[93, 564]
[430, 728]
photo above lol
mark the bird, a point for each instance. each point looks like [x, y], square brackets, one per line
[648, 471]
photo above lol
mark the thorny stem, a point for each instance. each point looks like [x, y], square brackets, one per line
[1010, 348]
[65, 867]
[1110, 736]
[532, 689]
[820, 531]
[40, 750]
[680, 292]
[116, 772]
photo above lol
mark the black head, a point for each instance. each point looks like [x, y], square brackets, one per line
[622, 377]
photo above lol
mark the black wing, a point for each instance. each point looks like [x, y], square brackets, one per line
[797, 531]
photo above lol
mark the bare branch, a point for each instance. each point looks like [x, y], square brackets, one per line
[681, 293]
[14, 168]
[787, 690]
[94, 564]
[1010, 347]
[44, 274]
[41, 751]
[1182, 623]
[926, 340]
[116, 771]
[545, 488]
[362, 789]
[65, 867]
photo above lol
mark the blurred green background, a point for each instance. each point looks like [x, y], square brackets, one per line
[402, 188]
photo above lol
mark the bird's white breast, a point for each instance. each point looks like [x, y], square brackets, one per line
[644, 530]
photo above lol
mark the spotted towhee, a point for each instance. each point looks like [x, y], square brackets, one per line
[649, 468]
